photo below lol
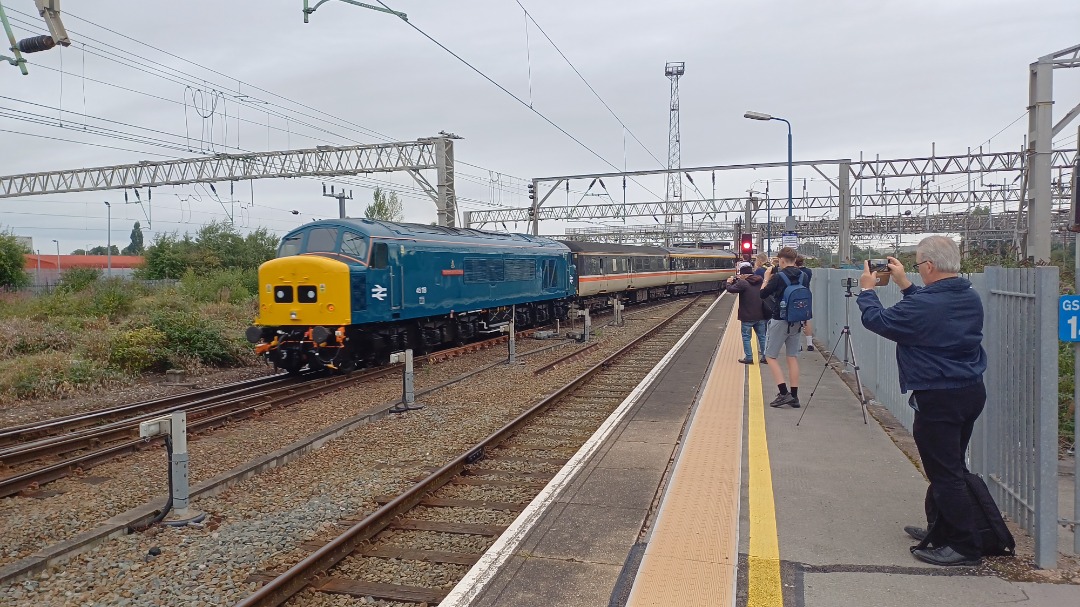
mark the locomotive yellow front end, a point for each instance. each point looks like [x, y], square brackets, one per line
[304, 307]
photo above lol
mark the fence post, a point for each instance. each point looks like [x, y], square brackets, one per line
[1046, 416]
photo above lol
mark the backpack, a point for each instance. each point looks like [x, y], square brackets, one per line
[796, 301]
[996, 538]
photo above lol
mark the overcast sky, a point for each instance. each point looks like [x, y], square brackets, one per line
[882, 78]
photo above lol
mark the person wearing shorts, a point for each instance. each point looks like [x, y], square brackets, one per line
[781, 334]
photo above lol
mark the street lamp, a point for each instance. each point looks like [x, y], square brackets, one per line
[108, 245]
[57, 259]
[790, 225]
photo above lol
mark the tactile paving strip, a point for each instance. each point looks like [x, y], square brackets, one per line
[692, 555]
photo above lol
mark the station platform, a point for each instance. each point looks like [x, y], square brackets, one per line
[698, 493]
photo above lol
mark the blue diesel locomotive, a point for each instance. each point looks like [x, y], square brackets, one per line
[346, 293]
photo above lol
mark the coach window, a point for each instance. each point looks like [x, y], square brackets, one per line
[592, 266]
[354, 245]
[322, 239]
[380, 256]
[290, 246]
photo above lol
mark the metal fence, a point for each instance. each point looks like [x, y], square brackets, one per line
[1014, 446]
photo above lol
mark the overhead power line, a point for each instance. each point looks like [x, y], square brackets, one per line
[576, 71]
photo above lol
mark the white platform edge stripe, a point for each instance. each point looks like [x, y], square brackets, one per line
[485, 569]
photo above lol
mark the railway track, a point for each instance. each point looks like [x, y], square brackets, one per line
[441, 525]
[62, 446]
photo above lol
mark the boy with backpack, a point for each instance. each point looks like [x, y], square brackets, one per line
[791, 305]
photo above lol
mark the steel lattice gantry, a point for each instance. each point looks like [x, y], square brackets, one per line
[324, 161]
[977, 224]
[846, 172]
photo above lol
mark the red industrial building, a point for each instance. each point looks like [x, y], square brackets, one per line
[50, 262]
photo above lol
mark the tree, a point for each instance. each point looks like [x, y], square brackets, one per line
[386, 206]
[136, 247]
[215, 246]
[12, 262]
[98, 250]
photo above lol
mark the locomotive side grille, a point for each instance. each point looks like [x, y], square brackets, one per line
[520, 269]
[478, 269]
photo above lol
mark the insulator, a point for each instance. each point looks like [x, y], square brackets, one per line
[36, 44]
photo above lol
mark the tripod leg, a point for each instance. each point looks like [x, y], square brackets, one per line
[832, 354]
[858, 380]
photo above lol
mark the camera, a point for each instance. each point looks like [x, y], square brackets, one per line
[849, 283]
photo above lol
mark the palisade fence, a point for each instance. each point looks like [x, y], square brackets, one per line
[1015, 445]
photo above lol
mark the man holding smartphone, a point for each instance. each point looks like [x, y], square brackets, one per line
[938, 333]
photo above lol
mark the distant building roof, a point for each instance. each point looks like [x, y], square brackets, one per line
[48, 262]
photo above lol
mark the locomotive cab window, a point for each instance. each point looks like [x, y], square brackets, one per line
[380, 256]
[551, 279]
[322, 240]
[290, 246]
[354, 245]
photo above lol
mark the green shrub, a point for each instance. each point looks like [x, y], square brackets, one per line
[77, 280]
[112, 298]
[138, 350]
[187, 334]
[231, 285]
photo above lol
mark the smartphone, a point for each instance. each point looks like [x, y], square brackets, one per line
[880, 267]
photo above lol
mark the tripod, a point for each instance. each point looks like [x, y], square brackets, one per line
[849, 350]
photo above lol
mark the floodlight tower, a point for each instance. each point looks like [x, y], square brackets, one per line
[673, 70]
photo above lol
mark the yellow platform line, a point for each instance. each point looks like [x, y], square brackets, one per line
[692, 554]
[764, 588]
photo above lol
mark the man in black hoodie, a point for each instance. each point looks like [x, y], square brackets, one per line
[782, 333]
[748, 286]
[938, 333]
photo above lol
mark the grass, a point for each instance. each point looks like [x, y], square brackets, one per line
[95, 333]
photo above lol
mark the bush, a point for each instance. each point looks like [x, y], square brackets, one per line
[113, 299]
[231, 285]
[189, 335]
[77, 280]
[19, 337]
[138, 350]
[12, 261]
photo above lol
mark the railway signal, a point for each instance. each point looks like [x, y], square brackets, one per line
[746, 246]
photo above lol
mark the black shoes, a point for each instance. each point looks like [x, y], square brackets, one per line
[747, 361]
[945, 557]
[810, 348]
[785, 399]
[917, 533]
[764, 360]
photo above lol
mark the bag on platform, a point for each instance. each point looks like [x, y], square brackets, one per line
[997, 540]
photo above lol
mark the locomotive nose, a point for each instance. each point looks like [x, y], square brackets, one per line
[304, 290]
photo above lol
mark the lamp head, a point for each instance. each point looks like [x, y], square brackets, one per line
[107, 203]
[757, 116]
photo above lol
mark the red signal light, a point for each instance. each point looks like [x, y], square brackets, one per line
[747, 243]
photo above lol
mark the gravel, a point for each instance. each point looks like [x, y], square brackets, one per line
[260, 523]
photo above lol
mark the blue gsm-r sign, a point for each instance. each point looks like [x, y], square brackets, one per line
[1069, 318]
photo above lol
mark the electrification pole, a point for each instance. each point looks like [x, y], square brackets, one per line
[341, 198]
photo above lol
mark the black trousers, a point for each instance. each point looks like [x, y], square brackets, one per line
[942, 429]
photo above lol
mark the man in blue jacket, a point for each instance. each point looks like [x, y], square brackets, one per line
[938, 333]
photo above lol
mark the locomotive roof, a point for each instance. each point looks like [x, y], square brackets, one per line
[388, 229]
[605, 248]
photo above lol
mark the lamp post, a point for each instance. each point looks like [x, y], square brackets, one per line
[790, 224]
[57, 259]
[108, 241]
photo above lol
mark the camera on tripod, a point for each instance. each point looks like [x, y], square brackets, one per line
[849, 283]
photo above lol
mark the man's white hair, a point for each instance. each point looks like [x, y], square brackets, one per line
[941, 250]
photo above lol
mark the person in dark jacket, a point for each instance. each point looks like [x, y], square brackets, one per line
[781, 333]
[938, 333]
[748, 286]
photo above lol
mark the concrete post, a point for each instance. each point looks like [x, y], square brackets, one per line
[844, 182]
